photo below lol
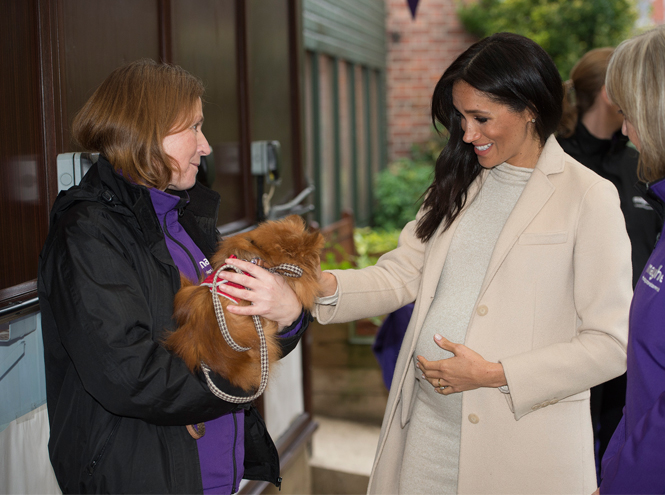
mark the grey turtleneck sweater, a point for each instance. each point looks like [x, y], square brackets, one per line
[431, 455]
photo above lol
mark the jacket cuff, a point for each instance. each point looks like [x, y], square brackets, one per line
[294, 328]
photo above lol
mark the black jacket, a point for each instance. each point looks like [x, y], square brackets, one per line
[117, 400]
[614, 160]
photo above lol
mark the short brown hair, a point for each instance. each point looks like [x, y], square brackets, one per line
[636, 83]
[130, 114]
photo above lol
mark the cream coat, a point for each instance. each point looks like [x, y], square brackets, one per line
[553, 309]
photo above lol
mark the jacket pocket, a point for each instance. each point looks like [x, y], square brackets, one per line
[543, 238]
[105, 446]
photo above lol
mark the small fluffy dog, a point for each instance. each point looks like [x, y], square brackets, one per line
[198, 338]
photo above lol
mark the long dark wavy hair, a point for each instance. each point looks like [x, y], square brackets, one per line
[510, 69]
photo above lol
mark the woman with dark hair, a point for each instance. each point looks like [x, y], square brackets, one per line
[519, 266]
[119, 403]
[634, 459]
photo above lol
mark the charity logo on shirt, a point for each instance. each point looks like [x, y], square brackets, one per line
[655, 277]
[205, 266]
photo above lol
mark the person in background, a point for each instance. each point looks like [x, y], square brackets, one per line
[590, 132]
[519, 266]
[634, 459]
[119, 403]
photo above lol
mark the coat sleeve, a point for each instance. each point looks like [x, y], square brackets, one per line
[635, 465]
[376, 290]
[602, 293]
[99, 303]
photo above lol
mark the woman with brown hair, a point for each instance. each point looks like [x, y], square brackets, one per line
[118, 401]
[590, 132]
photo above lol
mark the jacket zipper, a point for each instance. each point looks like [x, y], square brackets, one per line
[196, 267]
[95, 461]
[233, 451]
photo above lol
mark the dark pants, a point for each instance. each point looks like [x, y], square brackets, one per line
[607, 401]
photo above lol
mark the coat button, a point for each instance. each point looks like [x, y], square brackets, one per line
[474, 419]
[535, 407]
[482, 310]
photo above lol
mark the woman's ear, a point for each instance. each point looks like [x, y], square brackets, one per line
[604, 96]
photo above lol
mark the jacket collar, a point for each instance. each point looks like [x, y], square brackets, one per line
[654, 193]
[591, 145]
[552, 158]
[657, 189]
[537, 192]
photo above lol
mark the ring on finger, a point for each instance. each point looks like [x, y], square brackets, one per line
[438, 384]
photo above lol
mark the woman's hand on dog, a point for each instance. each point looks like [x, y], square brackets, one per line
[270, 296]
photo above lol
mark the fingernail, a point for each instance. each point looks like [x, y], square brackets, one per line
[422, 376]
[437, 337]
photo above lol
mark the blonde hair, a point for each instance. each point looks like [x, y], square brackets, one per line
[586, 80]
[130, 114]
[636, 83]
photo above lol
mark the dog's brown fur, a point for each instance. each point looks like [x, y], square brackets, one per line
[198, 337]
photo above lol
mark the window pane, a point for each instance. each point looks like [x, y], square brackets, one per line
[204, 43]
[270, 85]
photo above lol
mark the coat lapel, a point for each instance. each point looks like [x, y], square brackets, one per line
[536, 193]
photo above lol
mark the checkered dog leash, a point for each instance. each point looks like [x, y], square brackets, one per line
[284, 269]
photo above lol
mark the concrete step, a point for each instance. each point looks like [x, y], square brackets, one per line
[342, 456]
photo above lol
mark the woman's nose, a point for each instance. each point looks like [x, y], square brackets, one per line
[203, 146]
[470, 133]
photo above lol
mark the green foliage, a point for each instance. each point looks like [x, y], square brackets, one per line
[401, 185]
[335, 258]
[399, 188]
[566, 29]
[370, 245]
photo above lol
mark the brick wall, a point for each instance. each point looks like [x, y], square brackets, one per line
[418, 52]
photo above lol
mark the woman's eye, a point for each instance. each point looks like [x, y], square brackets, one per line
[481, 120]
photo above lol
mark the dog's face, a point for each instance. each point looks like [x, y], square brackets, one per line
[278, 242]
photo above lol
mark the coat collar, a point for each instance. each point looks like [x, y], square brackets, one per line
[536, 193]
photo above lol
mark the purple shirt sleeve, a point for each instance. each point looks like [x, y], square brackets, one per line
[293, 329]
